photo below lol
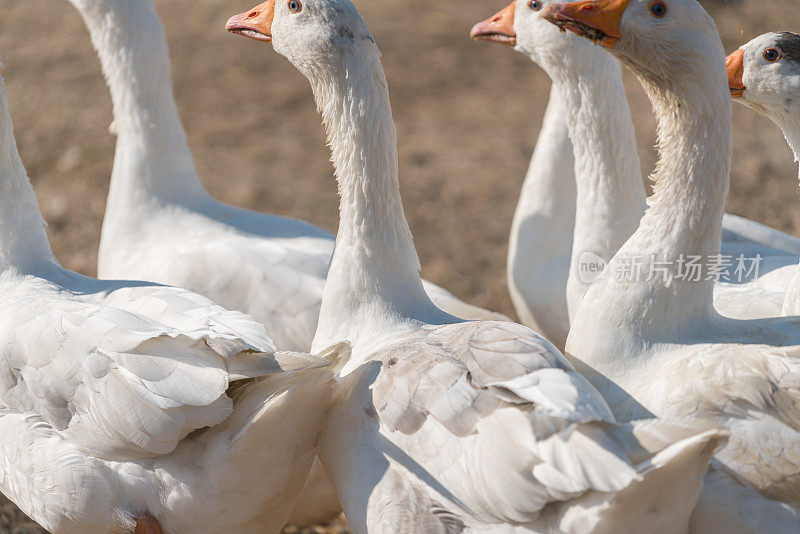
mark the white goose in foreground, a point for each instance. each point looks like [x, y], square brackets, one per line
[764, 75]
[610, 190]
[161, 225]
[658, 346]
[443, 425]
[107, 387]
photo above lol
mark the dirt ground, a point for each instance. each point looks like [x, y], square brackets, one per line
[468, 115]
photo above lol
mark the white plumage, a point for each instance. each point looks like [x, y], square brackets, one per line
[121, 401]
[161, 225]
[658, 346]
[476, 426]
[764, 75]
[442, 425]
[557, 227]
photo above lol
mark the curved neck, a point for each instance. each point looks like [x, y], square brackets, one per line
[686, 211]
[153, 162]
[375, 268]
[610, 192]
[23, 239]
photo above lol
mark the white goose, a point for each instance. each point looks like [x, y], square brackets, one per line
[764, 75]
[657, 346]
[107, 387]
[160, 223]
[589, 96]
[442, 425]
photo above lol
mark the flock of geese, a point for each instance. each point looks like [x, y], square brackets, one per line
[345, 381]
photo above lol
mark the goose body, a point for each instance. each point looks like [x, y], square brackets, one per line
[764, 75]
[440, 424]
[131, 405]
[659, 347]
[561, 230]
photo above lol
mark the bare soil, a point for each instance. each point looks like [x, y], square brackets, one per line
[468, 115]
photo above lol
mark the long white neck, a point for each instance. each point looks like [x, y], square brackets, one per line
[610, 192]
[544, 223]
[374, 275]
[685, 215]
[23, 239]
[152, 164]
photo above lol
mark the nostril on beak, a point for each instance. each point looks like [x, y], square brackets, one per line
[252, 14]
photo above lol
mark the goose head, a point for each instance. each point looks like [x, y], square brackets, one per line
[313, 35]
[670, 43]
[520, 25]
[764, 75]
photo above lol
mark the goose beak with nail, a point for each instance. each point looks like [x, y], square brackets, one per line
[596, 20]
[254, 23]
[497, 29]
[735, 66]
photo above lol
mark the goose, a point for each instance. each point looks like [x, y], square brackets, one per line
[441, 424]
[764, 75]
[657, 346]
[587, 83]
[161, 225]
[131, 406]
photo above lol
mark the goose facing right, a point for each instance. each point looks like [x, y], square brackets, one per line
[131, 406]
[440, 424]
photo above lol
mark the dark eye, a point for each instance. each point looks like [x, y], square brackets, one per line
[772, 55]
[535, 5]
[658, 9]
[295, 6]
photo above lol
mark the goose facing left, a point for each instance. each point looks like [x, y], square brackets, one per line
[764, 75]
[134, 406]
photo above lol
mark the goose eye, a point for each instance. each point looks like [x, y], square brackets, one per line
[772, 55]
[658, 9]
[535, 5]
[295, 6]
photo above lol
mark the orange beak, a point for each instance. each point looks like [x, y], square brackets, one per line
[735, 64]
[498, 28]
[596, 20]
[255, 23]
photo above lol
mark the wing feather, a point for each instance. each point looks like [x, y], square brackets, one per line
[756, 395]
[126, 370]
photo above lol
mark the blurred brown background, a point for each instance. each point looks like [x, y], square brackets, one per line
[467, 115]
